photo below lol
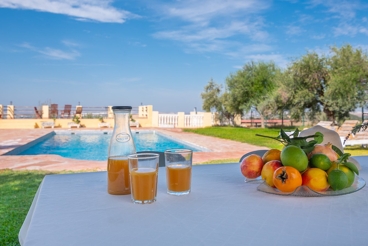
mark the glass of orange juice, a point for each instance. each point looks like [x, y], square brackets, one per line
[178, 164]
[143, 168]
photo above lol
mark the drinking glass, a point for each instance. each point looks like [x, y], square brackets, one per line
[178, 164]
[143, 169]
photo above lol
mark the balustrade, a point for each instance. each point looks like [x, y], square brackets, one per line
[167, 120]
[142, 114]
[193, 121]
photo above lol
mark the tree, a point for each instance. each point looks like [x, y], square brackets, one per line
[348, 84]
[306, 88]
[251, 87]
[211, 96]
[279, 101]
[333, 85]
[213, 100]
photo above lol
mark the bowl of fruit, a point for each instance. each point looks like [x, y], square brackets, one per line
[303, 167]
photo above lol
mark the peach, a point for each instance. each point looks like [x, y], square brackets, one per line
[315, 179]
[268, 170]
[251, 166]
[271, 154]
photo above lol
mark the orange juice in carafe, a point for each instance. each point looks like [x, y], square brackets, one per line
[121, 145]
[118, 176]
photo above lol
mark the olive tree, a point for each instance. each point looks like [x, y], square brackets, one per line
[348, 69]
[252, 87]
[214, 100]
[332, 84]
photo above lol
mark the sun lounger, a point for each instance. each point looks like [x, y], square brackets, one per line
[66, 111]
[38, 115]
[346, 128]
[46, 124]
[72, 124]
[104, 124]
[54, 112]
[134, 123]
[78, 112]
[359, 138]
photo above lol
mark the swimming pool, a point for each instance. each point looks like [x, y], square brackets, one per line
[94, 145]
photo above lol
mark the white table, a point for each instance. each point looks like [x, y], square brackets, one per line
[75, 209]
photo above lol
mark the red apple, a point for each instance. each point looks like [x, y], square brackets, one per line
[251, 166]
[268, 170]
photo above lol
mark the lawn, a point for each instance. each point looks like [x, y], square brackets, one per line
[17, 189]
[244, 135]
[248, 135]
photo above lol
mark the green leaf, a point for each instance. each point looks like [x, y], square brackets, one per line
[307, 150]
[296, 133]
[298, 142]
[352, 167]
[284, 135]
[318, 137]
[311, 143]
[343, 158]
[337, 150]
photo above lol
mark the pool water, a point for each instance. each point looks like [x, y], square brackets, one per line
[95, 146]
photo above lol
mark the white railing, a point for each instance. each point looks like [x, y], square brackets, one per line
[193, 120]
[172, 120]
[167, 120]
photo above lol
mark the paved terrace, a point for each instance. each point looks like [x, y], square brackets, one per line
[12, 138]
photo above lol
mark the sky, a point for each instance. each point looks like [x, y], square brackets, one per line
[157, 52]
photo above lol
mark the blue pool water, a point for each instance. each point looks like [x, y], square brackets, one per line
[95, 146]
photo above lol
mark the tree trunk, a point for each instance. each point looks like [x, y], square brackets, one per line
[262, 121]
[330, 115]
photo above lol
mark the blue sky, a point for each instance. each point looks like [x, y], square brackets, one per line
[157, 52]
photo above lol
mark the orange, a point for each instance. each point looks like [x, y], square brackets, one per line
[287, 179]
[271, 155]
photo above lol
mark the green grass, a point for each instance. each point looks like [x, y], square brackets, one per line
[17, 189]
[244, 135]
[356, 150]
[248, 135]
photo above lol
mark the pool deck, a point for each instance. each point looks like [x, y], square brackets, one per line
[220, 149]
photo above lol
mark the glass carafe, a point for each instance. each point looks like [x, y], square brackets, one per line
[121, 145]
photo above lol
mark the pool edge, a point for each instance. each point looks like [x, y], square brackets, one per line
[20, 149]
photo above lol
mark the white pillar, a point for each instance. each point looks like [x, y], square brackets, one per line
[45, 111]
[110, 113]
[10, 112]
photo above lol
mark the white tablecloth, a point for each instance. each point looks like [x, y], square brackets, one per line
[75, 209]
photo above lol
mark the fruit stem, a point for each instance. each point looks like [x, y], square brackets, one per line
[274, 138]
